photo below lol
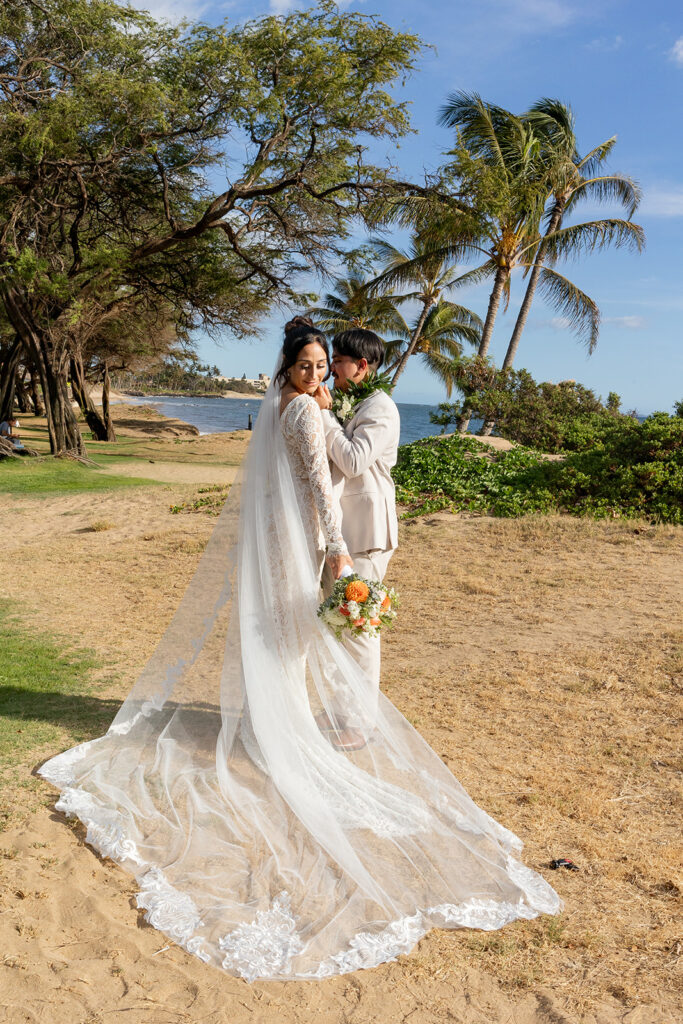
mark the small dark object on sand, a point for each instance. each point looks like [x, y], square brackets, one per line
[563, 862]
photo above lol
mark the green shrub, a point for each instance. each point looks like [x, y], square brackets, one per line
[550, 417]
[462, 473]
[630, 470]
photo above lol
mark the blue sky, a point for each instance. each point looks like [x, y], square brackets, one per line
[619, 64]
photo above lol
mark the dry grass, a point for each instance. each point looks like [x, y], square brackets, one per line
[100, 525]
[576, 747]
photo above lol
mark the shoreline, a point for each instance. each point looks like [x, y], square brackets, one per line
[192, 394]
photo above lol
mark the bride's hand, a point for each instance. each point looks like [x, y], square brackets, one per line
[337, 563]
[323, 397]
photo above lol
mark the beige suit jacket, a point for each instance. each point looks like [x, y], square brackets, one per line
[361, 456]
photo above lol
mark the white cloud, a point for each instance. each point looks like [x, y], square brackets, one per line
[543, 13]
[662, 201]
[606, 45]
[630, 323]
[172, 10]
[555, 323]
[676, 52]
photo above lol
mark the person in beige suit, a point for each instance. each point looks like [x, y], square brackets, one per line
[362, 453]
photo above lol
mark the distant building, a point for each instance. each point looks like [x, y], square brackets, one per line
[260, 383]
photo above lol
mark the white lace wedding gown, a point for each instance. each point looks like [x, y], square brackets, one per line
[257, 846]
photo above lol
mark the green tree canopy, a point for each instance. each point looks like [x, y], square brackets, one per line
[201, 167]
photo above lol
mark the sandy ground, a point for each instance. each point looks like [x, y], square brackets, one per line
[541, 658]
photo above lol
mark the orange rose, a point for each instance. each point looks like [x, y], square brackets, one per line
[386, 603]
[357, 591]
[344, 609]
[359, 622]
[375, 622]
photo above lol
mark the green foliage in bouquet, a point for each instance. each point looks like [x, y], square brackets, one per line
[631, 470]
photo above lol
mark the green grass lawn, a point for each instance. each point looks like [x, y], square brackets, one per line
[48, 702]
[52, 476]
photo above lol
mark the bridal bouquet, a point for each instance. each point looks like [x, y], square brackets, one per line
[359, 605]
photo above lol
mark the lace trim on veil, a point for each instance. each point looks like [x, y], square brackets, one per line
[266, 947]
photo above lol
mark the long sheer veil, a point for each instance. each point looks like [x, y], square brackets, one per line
[257, 846]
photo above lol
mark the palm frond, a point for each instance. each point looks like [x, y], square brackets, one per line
[442, 346]
[353, 306]
[443, 367]
[462, 314]
[475, 276]
[591, 162]
[428, 266]
[476, 122]
[553, 117]
[414, 210]
[591, 236]
[607, 188]
[581, 313]
[393, 349]
[449, 324]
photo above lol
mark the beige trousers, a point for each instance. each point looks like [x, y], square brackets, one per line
[364, 649]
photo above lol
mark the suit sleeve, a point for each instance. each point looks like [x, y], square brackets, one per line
[371, 434]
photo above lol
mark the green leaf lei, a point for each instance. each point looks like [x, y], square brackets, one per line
[344, 402]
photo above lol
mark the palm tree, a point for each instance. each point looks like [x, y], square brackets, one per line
[428, 273]
[353, 306]
[532, 157]
[498, 164]
[443, 330]
[572, 179]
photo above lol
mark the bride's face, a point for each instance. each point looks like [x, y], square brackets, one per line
[310, 368]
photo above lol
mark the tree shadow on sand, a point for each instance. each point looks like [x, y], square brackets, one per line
[79, 713]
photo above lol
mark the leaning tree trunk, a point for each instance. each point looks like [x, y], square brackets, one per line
[8, 369]
[523, 314]
[417, 334]
[21, 393]
[38, 407]
[80, 391]
[62, 425]
[491, 313]
[65, 434]
[106, 408]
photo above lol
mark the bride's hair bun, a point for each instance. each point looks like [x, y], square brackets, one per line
[296, 323]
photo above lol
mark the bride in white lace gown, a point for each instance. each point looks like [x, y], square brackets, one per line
[258, 846]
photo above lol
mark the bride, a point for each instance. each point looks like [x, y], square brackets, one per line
[258, 845]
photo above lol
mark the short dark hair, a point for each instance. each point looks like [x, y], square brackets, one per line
[358, 343]
[299, 332]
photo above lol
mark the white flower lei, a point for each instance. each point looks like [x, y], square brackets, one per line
[344, 402]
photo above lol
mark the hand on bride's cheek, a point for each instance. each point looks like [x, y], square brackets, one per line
[323, 397]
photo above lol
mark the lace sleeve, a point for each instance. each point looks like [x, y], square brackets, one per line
[309, 434]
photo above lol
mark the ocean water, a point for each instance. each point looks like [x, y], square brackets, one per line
[221, 415]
